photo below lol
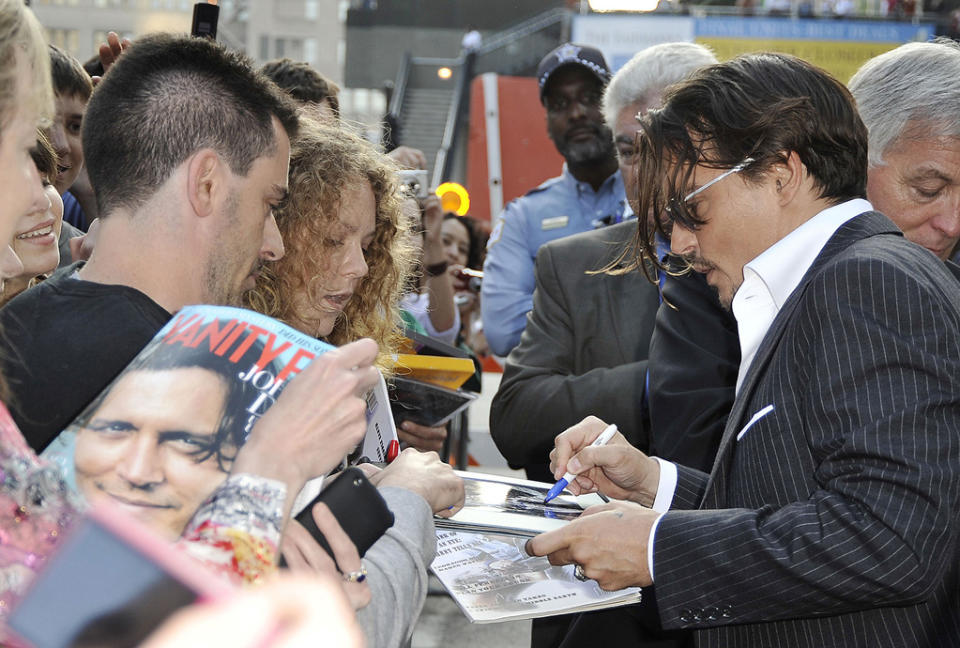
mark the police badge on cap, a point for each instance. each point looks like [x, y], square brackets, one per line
[571, 54]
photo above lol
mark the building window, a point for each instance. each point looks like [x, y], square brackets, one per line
[310, 50]
[279, 48]
[264, 48]
[65, 39]
[310, 9]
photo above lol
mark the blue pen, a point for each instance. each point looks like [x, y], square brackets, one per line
[605, 436]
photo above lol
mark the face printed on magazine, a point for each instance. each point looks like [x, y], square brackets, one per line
[161, 438]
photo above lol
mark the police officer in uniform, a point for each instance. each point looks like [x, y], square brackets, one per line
[587, 194]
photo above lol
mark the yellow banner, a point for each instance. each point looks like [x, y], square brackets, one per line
[839, 58]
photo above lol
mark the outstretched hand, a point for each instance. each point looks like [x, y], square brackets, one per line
[427, 476]
[110, 52]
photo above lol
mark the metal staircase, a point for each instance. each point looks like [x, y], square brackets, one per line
[429, 111]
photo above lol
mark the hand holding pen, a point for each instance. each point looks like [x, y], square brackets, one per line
[613, 467]
[568, 477]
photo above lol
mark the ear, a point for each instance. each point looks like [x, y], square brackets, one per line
[206, 181]
[788, 177]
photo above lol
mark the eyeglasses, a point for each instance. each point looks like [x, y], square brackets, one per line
[561, 103]
[685, 214]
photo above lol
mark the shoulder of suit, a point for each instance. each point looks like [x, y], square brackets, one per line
[617, 235]
[593, 249]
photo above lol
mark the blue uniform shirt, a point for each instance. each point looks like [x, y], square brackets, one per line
[559, 207]
[73, 212]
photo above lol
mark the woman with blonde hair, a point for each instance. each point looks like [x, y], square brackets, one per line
[38, 230]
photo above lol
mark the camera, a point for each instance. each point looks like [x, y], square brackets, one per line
[472, 278]
[416, 181]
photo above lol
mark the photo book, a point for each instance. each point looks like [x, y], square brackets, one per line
[482, 563]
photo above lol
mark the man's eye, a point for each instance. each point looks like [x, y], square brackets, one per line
[110, 428]
[188, 444]
[928, 192]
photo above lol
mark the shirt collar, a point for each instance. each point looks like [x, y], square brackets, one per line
[781, 266]
[612, 184]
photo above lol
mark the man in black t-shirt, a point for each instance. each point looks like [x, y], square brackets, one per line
[52, 375]
[188, 149]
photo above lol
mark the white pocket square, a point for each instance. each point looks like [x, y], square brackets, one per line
[756, 417]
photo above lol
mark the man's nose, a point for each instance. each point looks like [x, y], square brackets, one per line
[140, 465]
[577, 108]
[948, 221]
[683, 241]
[58, 138]
[272, 248]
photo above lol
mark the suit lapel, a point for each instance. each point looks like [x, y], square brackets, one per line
[860, 227]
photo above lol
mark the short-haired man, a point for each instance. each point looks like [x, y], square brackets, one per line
[829, 518]
[188, 149]
[587, 195]
[909, 99]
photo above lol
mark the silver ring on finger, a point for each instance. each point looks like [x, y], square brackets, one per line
[579, 574]
[357, 576]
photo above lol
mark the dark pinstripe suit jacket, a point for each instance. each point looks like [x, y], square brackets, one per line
[833, 520]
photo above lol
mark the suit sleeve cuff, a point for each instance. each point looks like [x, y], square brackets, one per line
[653, 533]
[667, 486]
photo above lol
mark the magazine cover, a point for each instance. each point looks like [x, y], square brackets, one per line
[492, 579]
[163, 435]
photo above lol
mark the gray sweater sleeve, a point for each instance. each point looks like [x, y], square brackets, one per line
[397, 571]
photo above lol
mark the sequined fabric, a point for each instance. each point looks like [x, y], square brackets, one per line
[36, 507]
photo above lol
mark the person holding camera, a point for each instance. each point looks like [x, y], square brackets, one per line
[430, 298]
[463, 243]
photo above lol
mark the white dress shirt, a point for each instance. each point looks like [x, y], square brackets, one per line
[768, 281]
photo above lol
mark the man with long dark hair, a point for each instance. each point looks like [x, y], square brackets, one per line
[829, 517]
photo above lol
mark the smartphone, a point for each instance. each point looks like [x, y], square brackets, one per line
[111, 583]
[205, 18]
[358, 506]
